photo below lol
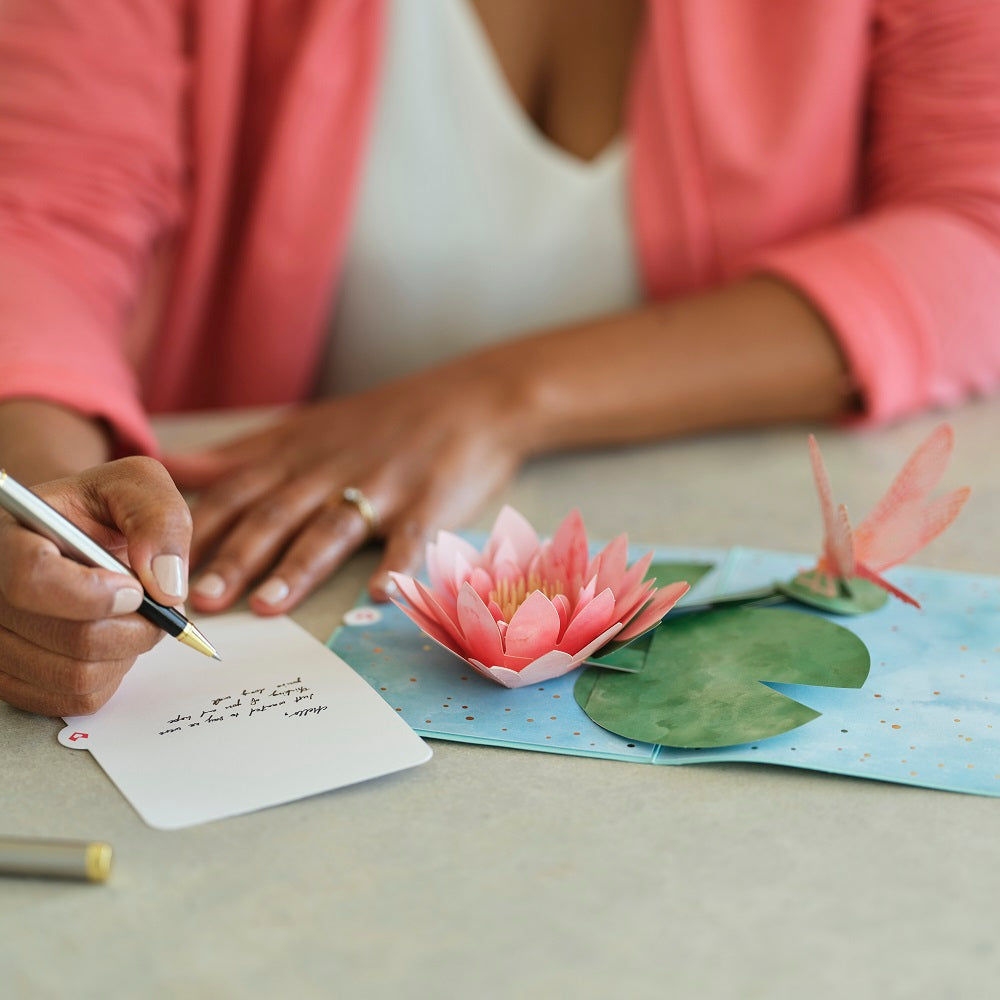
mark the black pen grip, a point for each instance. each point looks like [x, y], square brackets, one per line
[169, 619]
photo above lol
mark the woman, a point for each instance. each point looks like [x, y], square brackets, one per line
[493, 228]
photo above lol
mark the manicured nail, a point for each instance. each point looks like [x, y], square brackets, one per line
[383, 586]
[211, 585]
[169, 573]
[272, 592]
[126, 601]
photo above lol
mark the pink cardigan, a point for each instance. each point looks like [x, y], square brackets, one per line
[176, 180]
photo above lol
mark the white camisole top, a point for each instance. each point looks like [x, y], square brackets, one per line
[470, 225]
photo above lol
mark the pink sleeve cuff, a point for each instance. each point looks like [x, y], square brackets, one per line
[911, 295]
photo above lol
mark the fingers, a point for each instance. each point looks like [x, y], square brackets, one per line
[331, 538]
[404, 552]
[256, 540]
[35, 578]
[137, 497]
[50, 684]
[325, 544]
[121, 637]
[222, 505]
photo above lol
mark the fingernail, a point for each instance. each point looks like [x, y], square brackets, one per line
[211, 585]
[272, 592]
[126, 601]
[169, 573]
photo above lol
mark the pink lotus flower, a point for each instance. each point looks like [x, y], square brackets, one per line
[523, 611]
[902, 523]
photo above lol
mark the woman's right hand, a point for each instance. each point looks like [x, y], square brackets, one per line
[67, 632]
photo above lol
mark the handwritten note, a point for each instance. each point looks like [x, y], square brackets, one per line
[188, 740]
[248, 703]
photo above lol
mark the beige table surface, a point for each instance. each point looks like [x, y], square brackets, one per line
[500, 873]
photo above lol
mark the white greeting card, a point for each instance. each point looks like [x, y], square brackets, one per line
[187, 739]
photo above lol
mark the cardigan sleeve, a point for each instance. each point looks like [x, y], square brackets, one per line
[90, 182]
[911, 286]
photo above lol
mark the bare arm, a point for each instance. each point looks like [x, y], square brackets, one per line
[755, 352]
[40, 441]
[430, 448]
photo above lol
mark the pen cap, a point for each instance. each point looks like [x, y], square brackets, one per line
[75, 859]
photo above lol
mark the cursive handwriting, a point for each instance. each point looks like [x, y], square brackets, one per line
[247, 703]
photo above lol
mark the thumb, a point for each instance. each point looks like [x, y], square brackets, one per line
[138, 498]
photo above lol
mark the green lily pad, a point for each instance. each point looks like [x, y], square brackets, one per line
[836, 595]
[666, 573]
[704, 683]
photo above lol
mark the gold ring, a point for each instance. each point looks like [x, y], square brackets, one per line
[366, 508]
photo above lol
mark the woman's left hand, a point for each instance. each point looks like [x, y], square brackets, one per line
[425, 451]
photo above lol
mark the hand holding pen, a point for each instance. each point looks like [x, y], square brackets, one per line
[67, 631]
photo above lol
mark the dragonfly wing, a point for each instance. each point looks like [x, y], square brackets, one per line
[904, 520]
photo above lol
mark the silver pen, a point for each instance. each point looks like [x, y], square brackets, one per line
[33, 512]
[88, 861]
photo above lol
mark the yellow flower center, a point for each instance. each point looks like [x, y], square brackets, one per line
[509, 595]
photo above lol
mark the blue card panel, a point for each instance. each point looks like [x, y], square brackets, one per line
[928, 715]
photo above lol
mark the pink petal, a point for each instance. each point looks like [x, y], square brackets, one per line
[431, 628]
[585, 594]
[590, 620]
[479, 628]
[520, 672]
[408, 588]
[653, 613]
[636, 576]
[626, 609]
[602, 640]
[507, 572]
[610, 563]
[534, 627]
[439, 614]
[561, 603]
[568, 553]
[545, 668]
[505, 554]
[482, 583]
[515, 531]
[442, 556]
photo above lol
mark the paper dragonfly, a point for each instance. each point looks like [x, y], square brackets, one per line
[849, 569]
[523, 611]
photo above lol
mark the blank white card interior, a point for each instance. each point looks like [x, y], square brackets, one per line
[187, 739]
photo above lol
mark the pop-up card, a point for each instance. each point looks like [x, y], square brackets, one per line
[188, 740]
[755, 663]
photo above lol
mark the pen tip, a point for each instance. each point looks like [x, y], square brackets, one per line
[190, 636]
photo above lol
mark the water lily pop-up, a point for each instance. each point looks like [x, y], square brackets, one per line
[522, 611]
